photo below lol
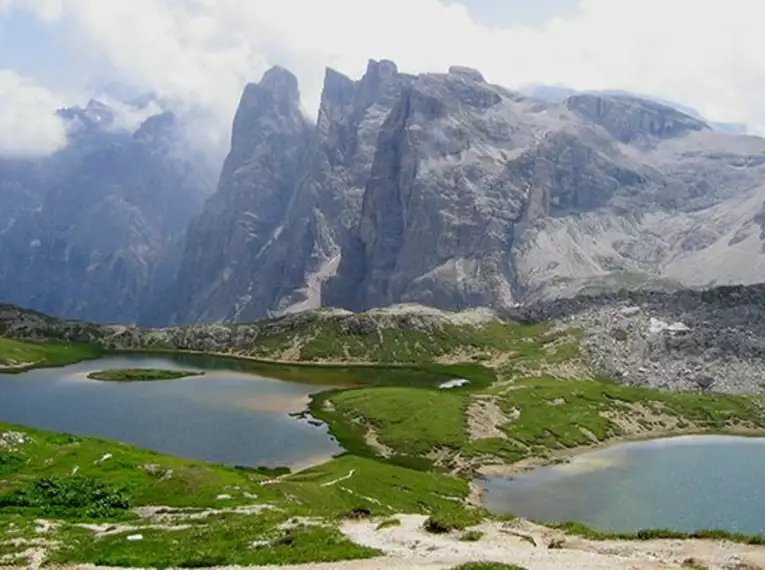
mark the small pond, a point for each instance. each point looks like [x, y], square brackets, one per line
[226, 416]
[684, 484]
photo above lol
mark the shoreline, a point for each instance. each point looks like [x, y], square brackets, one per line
[490, 470]
[562, 456]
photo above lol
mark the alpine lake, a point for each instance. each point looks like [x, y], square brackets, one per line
[233, 416]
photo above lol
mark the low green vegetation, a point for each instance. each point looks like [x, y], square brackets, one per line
[542, 415]
[411, 421]
[329, 341]
[244, 517]
[141, 374]
[45, 472]
[70, 497]
[472, 536]
[391, 342]
[223, 541]
[388, 523]
[401, 431]
[18, 356]
[579, 529]
[343, 375]
[444, 521]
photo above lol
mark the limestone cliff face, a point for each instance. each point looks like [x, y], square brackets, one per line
[481, 197]
[445, 190]
[440, 189]
[460, 166]
[629, 119]
[268, 146]
[306, 208]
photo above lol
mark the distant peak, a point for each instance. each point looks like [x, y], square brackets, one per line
[156, 125]
[628, 117]
[279, 79]
[468, 72]
[338, 88]
[382, 69]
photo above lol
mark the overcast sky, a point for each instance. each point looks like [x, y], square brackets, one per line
[709, 54]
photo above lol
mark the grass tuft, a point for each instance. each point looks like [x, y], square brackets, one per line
[141, 375]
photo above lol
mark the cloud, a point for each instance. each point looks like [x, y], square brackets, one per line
[28, 126]
[200, 53]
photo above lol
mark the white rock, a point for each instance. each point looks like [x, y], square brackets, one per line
[630, 311]
[223, 498]
[106, 457]
[658, 326]
[451, 384]
[134, 537]
[678, 327]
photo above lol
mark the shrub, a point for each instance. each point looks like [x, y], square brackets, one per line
[388, 523]
[447, 521]
[472, 536]
[77, 495]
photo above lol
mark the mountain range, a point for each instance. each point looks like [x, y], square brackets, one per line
[440, 189]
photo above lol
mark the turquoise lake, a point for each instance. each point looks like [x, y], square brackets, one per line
[685, 484]
[226, 416]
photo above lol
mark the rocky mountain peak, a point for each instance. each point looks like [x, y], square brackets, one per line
[156, 127]
[467, 72]
[338, 89]
[95, 116]
[378, 76]
[281, 82]
[380, 70]
[630, 118]
[267, 109]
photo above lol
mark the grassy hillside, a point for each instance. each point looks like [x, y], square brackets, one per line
[18, 356]
[209, 514]
[366, 340]
[542, 402]
[532, 417]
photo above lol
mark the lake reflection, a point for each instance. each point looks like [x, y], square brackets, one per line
[226, 416]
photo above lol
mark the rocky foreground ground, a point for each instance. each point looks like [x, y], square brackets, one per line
[520, 543]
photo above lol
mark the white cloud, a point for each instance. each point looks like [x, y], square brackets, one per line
[28, 125]
[708, 54]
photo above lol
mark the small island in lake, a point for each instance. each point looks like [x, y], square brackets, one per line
[141, 374]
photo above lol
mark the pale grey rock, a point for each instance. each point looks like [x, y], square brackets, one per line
[462, 167]
[439, 189]
[319, 202]
[629, 119]
[268, 148]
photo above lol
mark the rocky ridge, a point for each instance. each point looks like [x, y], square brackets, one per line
[439, 189]
[445, 190]
[235, 269]
[688, 340]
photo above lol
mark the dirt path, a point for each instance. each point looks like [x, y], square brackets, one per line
[409, 547]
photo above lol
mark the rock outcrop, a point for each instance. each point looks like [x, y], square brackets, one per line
[268, 149]
[482, 197]
[309, 208]
[629, 119]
